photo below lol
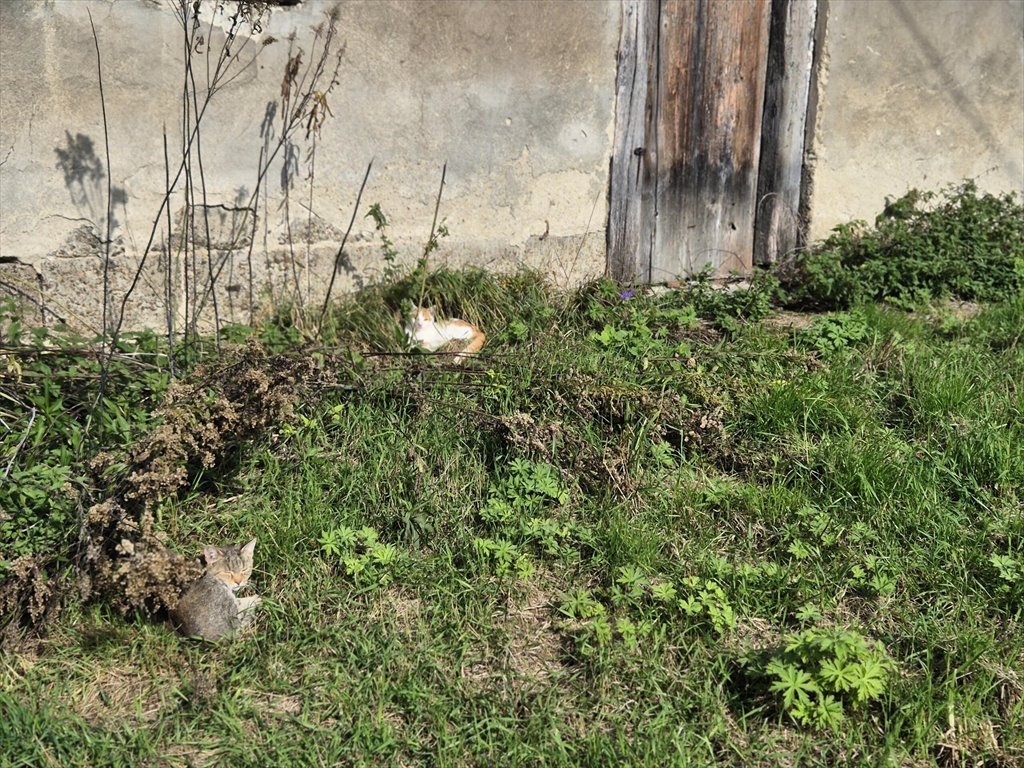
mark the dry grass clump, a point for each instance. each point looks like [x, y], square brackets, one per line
[204, 422]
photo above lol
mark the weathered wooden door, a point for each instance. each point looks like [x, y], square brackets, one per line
[688, 136]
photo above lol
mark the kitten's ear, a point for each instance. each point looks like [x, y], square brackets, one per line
[248, 549]
[212, 554]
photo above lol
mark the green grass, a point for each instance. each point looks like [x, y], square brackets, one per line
[596, 544]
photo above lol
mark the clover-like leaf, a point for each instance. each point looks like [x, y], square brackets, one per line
[664, 591]
[794, 684]
[828, 712]
[838, 676]
[868, 679]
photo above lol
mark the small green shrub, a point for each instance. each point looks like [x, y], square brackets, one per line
[638, 606]
[924, 246]
[835, 332]
[819, 673]
[363, 558]
[54, 418]
[521, 511]
[503, 556]
[728, 308]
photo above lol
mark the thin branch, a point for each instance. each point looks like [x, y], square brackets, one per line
[206, 209]
[190, 40]
[309, 219]
[168, 293]
[107, 239]
[341, 249]
[288, 229]
[431, 243]
[252, 238]
[106, 144]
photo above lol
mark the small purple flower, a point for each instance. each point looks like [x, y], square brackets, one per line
[625, 295]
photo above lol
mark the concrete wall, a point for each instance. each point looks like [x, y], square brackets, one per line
[916, 93]
[517, 97]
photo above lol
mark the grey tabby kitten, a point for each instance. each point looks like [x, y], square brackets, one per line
[209, 609]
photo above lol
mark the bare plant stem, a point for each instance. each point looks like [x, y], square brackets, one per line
[295, 115]
[104, 359]
[108, 228]
[291, 240]
[168, 283]
[309, 219]
[106, 144]
[252, 240]
[431, 242]
[186, 154]
[206, 212]
[341, 249]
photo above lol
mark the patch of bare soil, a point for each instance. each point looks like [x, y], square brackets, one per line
[526, 650]
[113, 695]
[534, 646]
[791, 320]
[398, 606]
[188, 755]
[274, 703]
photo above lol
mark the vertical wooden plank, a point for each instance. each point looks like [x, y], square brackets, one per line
[790, 62]
[712, 57]
[630, 205]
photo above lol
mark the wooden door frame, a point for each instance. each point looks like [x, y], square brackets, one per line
[787, 128]
[631, 214]
[786, 124]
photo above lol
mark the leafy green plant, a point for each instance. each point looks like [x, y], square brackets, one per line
[728, 307]
[503, 556]
[819, 673]
[638, 606]
[638, 342]
[520, 507]
[1008, 568]
[637, 326]
[872, 576]
[580, 604]
[835, 332]
[53, 419]
[389, 252]
[413, 283]
[362, 557]
[1009, 572]
[923, 246]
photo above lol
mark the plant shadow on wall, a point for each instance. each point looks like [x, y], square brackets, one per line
[209, 258]
[84, 177]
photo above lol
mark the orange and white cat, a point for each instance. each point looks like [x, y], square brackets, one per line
[425, 331]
